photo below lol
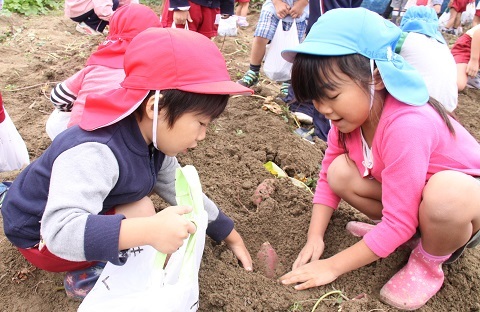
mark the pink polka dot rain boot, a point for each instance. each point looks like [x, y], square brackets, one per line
[416, 282]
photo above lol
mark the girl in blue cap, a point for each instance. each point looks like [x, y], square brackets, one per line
[393, 153]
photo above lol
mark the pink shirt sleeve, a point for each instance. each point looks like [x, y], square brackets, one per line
[103, 9]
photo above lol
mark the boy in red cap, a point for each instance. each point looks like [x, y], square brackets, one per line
[91, 197]
[104, 68]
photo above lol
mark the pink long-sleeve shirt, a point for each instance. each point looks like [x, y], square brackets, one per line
[410, 145]
[103, 8]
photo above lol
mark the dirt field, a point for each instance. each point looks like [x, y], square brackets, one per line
[37, 52]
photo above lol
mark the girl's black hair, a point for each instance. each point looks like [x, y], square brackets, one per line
[312, 75]
[177, 102]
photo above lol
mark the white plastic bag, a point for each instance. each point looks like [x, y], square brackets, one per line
[467, 16]
[275, 67]
[443, 19]
[57, 123]
[226, 26]
[142, 284]
[13, 151]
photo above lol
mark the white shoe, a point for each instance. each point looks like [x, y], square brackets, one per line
[86, 30]
[242, 22]
[303, 118]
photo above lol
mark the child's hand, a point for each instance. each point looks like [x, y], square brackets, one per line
[282, 9]
[472, 68]
[297, 9]
[181, 17]
[235, 242]
[170, 228]
[313, 274]
[312, 250]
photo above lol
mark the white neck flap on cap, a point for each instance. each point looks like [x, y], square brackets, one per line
[155, 118]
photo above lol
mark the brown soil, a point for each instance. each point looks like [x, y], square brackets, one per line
[39, 51]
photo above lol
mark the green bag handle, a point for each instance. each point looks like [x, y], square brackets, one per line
[188, 193]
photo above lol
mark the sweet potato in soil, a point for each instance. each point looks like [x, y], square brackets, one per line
[267, 260]
[263, 191]
[38, 51]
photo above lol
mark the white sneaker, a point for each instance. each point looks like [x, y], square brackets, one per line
[242, 22]
[303, 118]
[86, 30]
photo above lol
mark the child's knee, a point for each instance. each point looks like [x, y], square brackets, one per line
[141, 208]
[341, 172]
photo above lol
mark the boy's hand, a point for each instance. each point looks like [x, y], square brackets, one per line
[169, 229]
[312, 250]
[297, 9]
[282, 9]
[313, 274]
[235, 242]
[181, 17]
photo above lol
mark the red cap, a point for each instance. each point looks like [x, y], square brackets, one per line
[126, 22]
[162, 59]
[2, 111]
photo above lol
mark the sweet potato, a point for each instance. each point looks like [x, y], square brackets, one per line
[267, 260]
[263, 191]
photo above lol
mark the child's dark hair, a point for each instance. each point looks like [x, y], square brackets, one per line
[176, 103]
[312, 75]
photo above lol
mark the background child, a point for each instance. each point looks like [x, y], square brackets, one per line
[456, 8]
[241, 11]
[92, 16]
[200, 15]
[423, 47]
[398, 159]
[305, 112]
[466, 52]
[103, 70]
[436, 5]
[273, 12]
[476, 17]
[13, 151]
[90, 201]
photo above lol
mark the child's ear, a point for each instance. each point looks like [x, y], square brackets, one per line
[379, 85]
[149, 107]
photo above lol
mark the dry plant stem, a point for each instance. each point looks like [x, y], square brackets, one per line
[241, 204]
[341, 294]
[323, 297]
[32, 86]
[41, 282]
[254, 95]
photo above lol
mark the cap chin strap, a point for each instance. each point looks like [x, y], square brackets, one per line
[372, 86]
[155, 118]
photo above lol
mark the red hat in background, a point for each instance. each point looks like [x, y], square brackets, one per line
[2, 111]
[162, 59]
[126, 22]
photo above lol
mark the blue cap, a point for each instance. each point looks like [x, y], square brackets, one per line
[422, 20]
[358, 30]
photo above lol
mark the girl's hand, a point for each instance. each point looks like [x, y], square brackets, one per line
[313, 274]
[312, 250]
[168, 229]
[235, 242]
